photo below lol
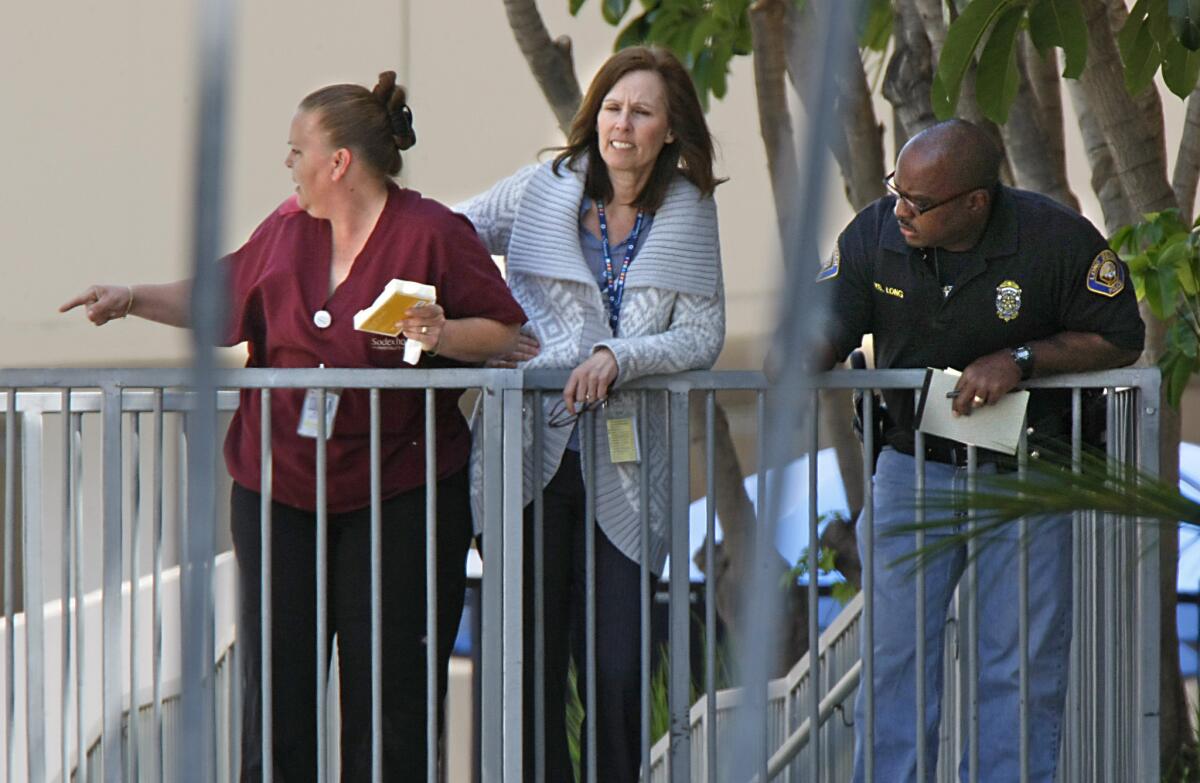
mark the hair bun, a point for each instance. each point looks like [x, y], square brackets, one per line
[392, 97]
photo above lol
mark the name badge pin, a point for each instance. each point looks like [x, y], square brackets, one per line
[322, 319]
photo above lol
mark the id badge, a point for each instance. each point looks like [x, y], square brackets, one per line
[308, 414]
[623, 439]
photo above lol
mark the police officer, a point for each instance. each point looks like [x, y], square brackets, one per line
[953, 269]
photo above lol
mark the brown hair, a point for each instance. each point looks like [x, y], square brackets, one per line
[690, 154]
[375, 124]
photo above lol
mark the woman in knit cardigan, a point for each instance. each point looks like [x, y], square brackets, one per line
[612, 250]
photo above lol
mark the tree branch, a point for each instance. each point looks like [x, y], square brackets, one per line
[1187, 162]
[550, 61]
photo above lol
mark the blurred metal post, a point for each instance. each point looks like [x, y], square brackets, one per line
[787, 404]
[215, 33]
[492, 727]
[680, 683]
[1149, 424]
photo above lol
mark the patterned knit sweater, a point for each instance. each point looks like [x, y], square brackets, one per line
[672, 319]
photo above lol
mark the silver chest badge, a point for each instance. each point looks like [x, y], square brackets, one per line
[1008, 300]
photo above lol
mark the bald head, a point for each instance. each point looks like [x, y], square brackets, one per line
[957, 152]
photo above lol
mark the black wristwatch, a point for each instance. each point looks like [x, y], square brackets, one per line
[1023, 356]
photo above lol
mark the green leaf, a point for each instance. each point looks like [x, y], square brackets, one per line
[1142, 61]
[875, 25]
[1159, 20]
[1185, 19]
[1177, 371]
[1180, 69]
[962, 38]
[1060, 23]
[997, 79]
[635, 33]
[1129, 31]
[575, 5]
[614, 10]
[1121, 239]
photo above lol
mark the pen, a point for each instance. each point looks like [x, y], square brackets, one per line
[950, 395]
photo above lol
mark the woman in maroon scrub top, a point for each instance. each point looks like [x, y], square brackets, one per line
[294, 288]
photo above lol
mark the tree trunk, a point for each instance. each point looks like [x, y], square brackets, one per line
[1037, 165]
[1133, 141]
[934, 22]
[767, 26]
[1187, 163]
[857, 145]
[1047, 91]
[1118, 211]
[550, 61]
[906, 83]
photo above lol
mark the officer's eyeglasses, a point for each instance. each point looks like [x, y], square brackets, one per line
[561, 417]
[917, 207]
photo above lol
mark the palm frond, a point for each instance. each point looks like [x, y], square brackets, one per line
[1051, 485]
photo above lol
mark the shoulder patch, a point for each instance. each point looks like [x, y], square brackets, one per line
[829, 269]
[1106, 276]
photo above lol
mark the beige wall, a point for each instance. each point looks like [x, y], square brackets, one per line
[99, 102]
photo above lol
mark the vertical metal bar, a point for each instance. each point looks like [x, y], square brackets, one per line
[431, 597]
[588, 429]
[1075, 752]
[512, 563]
[919, 485]
[1023, 617]
[1109, 597]
[376, 592]
[35, 607]
[77, 578]
[972, 624]
[814, 634]
[267, 686]
[764, 514]
[539, 596]
[646, 597]
[710, 585]
[135, 557]
[679, 696]
[322, 672]
[111, 612]
[156, 593]
[867, 526]
[10, 489]
[492, 727]
[64, 703]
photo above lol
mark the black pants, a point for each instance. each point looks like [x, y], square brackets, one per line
[293, 628]
[618, 639]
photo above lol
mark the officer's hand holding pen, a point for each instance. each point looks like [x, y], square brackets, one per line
[985, 380]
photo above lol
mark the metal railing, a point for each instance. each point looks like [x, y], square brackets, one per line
[1111, 729]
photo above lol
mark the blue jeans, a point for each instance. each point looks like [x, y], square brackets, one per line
[999, 655]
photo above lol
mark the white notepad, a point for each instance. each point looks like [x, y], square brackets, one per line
[996, 426]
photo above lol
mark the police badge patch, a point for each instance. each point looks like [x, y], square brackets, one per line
[1008, 300]
[1105, 276]
[829, 269]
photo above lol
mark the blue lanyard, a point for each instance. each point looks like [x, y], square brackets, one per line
[615, 283]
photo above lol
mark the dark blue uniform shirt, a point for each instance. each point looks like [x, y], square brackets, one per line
[1039, 269]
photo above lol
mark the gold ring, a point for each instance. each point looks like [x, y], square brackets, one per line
[979, 400]
[424, 330]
